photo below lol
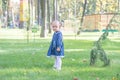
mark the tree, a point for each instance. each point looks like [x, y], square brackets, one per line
[0, 7]
[38, 11]
[43, 13]
[0, 12]
[55, 8]
[48, 15]
[91, 7]
[118, 5]
[8, 14]
[83, 14]
[28, 22]
[97, 48]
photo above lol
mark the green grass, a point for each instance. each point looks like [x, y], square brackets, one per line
[27, 61]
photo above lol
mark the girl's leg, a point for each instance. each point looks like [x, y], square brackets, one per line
[58, 63]
[55, 63]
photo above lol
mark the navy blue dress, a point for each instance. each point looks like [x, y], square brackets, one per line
[57, 41]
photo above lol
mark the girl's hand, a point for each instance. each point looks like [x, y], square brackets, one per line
[58, 49]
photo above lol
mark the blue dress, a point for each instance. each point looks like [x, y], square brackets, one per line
[57, 41]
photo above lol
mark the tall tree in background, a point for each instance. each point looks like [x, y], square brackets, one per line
[8, 14]
[28, 22]
[0, 12]
[55, 14]
[32, 13]
[4, 10]
[118, 5]
[91, 7]
[0, 6]
[38, 11]
[30, 2]
[82, 17]
[83, 13]
[44, 16]
[48, 15]
[101, 6]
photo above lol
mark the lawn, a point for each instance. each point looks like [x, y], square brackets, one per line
[20, 60]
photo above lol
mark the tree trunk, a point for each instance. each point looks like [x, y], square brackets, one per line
[54, 10]
[119, 5]
[31, 13]
[101, 6]
[13, 16]
[38, 12]
[0, 12]
[43, 9]
[48, 15]
[28, 22]
[82, 17]
[83, 13]
[8, 15]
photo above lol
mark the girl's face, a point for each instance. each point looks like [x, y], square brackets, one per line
[55, 26]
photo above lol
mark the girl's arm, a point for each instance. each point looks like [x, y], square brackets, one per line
[59, 41]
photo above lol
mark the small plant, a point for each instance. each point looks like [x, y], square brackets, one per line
[97, 50]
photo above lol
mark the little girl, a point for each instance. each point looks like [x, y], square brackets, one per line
[56, 47]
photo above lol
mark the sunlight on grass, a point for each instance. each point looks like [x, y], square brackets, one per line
[2, 51]
[73, 50]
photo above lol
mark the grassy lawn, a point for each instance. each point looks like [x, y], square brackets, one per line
[27, 61]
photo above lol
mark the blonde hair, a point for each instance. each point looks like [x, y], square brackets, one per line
[56, 22]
